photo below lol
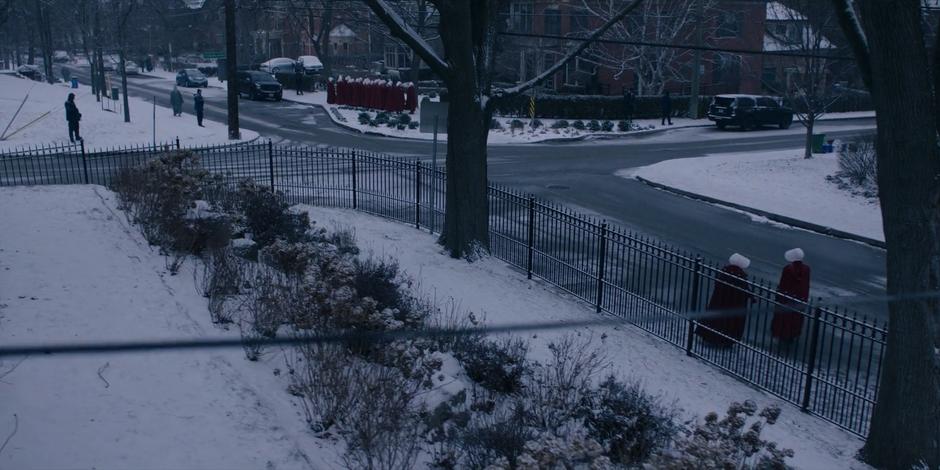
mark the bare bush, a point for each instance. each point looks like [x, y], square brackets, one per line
[324, 376]
[272, 301]
[629, 422]
[573, 451]
[495, 439]
[498, 365]
[557, 389]
[858, 162]
[250, 338]
[267, 217]
[726, 443]
[384, 429]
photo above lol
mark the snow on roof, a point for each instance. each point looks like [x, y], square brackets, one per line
[342, 31]
[777, 11]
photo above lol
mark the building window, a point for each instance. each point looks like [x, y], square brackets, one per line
[729, 25]
[727, 71]
[552, 21]
[520, 16]
[397, 57]
[346, 47]
[769, 78]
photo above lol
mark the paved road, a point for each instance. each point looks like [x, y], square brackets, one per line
[580, 175]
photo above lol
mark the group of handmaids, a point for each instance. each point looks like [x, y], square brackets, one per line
[376, 94]
[726, 315]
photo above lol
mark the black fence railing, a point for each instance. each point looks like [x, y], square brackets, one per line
[830, 370]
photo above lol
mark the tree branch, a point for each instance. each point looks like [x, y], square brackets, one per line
[848, 20]
[400, 29]
[571, 54]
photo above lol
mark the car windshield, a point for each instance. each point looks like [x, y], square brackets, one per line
[723, 101]
[262, 77]
[193, 73]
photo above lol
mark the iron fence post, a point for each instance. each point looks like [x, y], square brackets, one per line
[530, 243]
[355, 183]
[84, 161]
[177, 143]
[811, 359]
[417, 194]
[601, 265]
[693, 305]
[271, 162]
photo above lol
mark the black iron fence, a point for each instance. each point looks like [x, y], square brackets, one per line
[830, 370]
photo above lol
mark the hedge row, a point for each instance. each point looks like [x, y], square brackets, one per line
[612, 108]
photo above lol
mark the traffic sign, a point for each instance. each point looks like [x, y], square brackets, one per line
[213, 55]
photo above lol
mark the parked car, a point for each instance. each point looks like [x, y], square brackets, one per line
[60, 56]
[749, 111]
[258, 85]
[32, 72]
[278, 65]
[131, 68]
[310, 63]
[191, 78]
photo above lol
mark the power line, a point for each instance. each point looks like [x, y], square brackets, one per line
[682, 46]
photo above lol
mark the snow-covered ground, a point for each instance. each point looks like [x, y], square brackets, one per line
[214, 409]
[780, 182]
[42, 119]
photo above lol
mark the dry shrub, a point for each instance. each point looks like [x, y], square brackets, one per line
[324, 376]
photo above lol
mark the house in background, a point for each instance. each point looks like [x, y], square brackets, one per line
[788, 30]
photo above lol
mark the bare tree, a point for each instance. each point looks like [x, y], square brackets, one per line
[124, 10]
[468, 31]
[315, 19]
[799, 27]
[656, 21]
[889, 44]
[231, 69]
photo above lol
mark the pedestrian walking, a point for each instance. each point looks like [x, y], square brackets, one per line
[198, 104]
[727, 307]
[793, 287]
[299, 79]
[665, 105]
[176, 101]
[72, 116]
[628, 103]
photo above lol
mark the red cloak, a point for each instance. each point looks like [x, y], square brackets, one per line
[788, 318]
[411, 102]
[726, 307]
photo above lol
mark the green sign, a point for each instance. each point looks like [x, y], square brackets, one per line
[213, 55]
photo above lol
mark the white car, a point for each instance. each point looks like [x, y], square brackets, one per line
[310, 63]
[131, 68]
[278, 65]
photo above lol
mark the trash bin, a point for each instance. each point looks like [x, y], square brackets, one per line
[818, 141]
[74, 82]
[115, 94]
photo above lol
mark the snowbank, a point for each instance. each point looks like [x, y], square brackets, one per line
[214, 409]
[503, 296]
[99, 127]
[780, 182]
[173, 410]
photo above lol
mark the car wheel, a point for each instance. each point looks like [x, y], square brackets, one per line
[252, 95]
[275, 70]
[786, 124]
[721, 125]
[748, 125]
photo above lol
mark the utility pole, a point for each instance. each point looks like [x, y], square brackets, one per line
[697, 59]
[231, 68]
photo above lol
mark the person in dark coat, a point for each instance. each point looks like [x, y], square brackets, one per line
[412, 100]
[198, 104]
[665, 105]
[330, 91]
[176, 101]
[299, 79]
[794, 284]
[628, 102]
[72, 116]
[727, 307]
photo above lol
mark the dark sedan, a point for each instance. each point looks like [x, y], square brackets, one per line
[749, 111]
[258, 85]
[191, 78]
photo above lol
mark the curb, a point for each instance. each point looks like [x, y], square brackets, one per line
[545, 141]
[821, 229]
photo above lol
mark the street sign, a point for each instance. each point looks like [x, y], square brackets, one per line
[430, 110]
[213, 55]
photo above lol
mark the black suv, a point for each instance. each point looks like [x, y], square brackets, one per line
[749, 111]
[258, 85]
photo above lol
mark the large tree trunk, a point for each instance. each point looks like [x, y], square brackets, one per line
[810, 124]
[466, 223]
[127, 108]
[905, 427]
